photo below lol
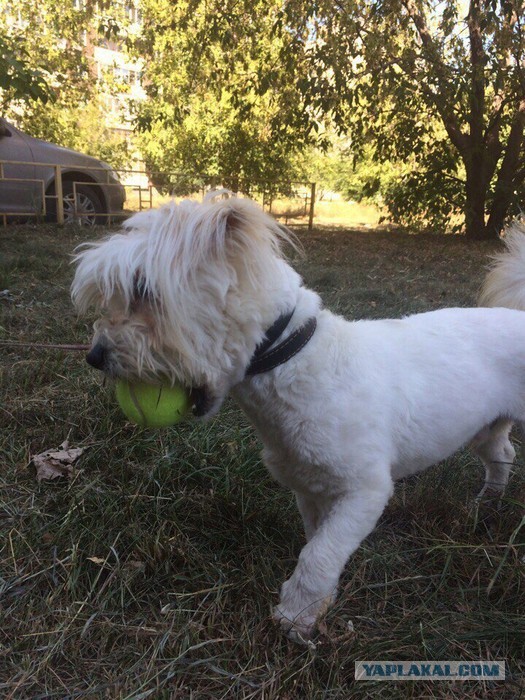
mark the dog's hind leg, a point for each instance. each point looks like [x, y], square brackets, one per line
[493, 447]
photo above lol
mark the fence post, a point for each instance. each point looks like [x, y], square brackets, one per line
[4, 217]
[59, 195]
[312, 206]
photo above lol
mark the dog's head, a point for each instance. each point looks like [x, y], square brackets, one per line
[185, 294]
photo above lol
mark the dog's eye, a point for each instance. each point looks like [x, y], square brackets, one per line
[140, 291]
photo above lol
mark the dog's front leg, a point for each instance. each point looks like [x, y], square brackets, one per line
[312, 587]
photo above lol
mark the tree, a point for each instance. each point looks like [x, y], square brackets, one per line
[337, 169]
[389, 70]
[213, 143]
[51, 35]
[219, 101]
[411, 78]
[81, 127]
[18, 79]
[48, 36]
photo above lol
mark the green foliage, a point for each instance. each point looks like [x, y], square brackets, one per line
[429, 194]
[50, 35]
[19, 80]
[220, 103]
[399, 76]
[81, 127]
[410, 76]
[430, 103]
[212, 144]
[358, 177]
[424, 200]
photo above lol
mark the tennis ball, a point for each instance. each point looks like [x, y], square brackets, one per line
[150, 405]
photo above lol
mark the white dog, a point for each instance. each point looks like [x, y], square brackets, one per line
[191, 291]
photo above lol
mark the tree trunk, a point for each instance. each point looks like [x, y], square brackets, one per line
[475, 156]
[499, 210]
[475, 228]
[475, 197]
[506, 182]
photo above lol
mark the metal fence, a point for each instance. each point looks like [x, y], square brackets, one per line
[91, 194]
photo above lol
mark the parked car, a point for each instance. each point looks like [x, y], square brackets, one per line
[91, 189]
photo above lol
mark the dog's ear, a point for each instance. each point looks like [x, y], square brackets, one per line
[230, 215]
[240, 225]
[226, 237]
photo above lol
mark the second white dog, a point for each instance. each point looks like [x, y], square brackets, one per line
[343, 408]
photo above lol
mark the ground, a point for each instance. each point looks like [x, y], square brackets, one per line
[151, 573]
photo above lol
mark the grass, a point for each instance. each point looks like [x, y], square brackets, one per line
[152, 572]
[336, 213]
[290, 211]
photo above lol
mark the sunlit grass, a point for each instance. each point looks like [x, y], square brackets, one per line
[291, 211]
[152, 573]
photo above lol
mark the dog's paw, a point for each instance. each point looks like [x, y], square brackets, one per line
[490, 498]
[298, 628]
[491, 492]
[297, 613]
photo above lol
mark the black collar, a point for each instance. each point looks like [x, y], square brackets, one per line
[264, 360]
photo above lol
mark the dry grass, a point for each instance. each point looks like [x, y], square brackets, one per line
[336, 213]
[347, 214]
[290, 211]
[151, 574]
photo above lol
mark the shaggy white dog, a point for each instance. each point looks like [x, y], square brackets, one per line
[188, 293]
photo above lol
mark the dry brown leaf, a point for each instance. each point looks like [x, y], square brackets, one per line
[53, 464]
[96, 560]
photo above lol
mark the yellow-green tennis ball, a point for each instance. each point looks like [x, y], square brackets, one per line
[152, 406]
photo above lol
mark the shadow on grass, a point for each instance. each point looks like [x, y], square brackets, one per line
[152, 573]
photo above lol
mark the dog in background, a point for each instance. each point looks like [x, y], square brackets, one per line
[201, 294]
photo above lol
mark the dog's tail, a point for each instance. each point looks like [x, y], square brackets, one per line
[505, 283]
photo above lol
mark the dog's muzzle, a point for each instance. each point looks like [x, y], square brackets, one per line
[97, 356]
[201, 398]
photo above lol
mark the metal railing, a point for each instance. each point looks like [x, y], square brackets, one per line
[53, 182]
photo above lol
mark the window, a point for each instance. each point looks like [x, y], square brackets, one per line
[126, 75]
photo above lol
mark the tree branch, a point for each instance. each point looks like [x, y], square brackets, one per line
[509, 175]
[477, 62]
[432, 55]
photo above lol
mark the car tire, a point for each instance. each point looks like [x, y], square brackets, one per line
[88, 210]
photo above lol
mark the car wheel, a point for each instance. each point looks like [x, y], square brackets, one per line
[87, 208]
[82, 207]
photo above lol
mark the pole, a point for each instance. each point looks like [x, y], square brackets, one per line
[312, 206]
[59, 195]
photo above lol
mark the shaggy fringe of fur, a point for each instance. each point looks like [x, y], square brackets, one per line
[201, 270]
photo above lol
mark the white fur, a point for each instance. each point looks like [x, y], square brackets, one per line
[213, 291]
[505, 283]
[362, 404]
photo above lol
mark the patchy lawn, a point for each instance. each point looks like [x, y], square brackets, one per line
[152, 572]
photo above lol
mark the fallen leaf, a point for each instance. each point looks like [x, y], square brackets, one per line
[96, 560]
[53, 464]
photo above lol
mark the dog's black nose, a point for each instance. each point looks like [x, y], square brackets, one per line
[96, 357]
